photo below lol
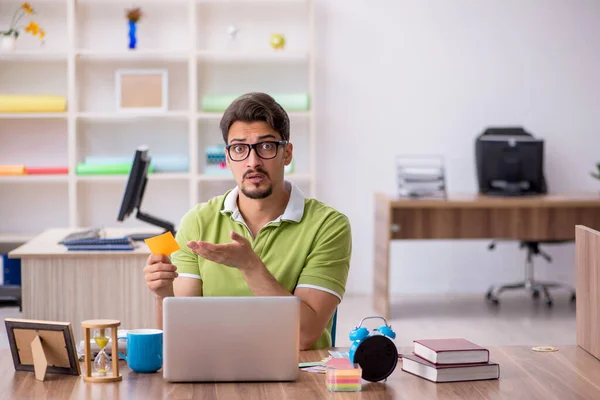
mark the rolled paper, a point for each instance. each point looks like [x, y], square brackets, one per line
[292, 102]
[160, 163]
[12, 170]
[46, 170]
[12, 103]
[106, 169]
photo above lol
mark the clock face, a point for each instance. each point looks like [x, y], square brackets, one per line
[377, 356]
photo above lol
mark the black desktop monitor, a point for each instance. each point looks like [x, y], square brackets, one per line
[510, 163]
[134, 193]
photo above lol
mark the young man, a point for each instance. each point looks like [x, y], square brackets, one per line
[263, 238]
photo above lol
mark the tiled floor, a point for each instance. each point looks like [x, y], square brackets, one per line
[518, 320]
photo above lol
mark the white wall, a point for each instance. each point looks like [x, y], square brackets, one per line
[413, 76]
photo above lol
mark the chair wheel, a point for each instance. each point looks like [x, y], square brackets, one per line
[549, 302]
[488, 295]
[535, 294]
[494, 300]
[573, 298]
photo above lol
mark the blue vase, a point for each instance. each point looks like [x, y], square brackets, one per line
[132, 38]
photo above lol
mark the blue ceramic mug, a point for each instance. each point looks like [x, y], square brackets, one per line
[144, 350]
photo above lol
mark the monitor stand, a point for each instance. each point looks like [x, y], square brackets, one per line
[511, 189]
[161, 223]
[138, 237]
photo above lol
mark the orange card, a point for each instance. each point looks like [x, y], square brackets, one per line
[163, 244]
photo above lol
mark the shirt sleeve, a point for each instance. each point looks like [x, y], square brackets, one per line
[185, 259]
[328, 263]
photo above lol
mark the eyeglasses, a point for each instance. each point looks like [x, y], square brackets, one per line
[265, 150]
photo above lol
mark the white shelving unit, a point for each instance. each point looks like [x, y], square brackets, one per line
[86, 42]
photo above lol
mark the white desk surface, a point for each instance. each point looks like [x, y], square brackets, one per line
[46, 244]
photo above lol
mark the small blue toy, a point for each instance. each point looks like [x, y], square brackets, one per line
[374, 351]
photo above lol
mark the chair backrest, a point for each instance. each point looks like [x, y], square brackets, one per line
[333, 328]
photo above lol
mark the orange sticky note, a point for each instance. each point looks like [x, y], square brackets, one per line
[163, 244]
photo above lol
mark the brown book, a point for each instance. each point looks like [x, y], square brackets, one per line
[450, 351]
[451, 372]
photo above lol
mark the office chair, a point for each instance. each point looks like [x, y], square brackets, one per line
[529, 284]
[333, 328]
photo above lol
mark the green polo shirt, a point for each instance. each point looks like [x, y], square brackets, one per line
[309, 246]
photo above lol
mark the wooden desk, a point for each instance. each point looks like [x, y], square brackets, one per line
[570, 373]
[548, 217]
[73, 286]
[588, 289]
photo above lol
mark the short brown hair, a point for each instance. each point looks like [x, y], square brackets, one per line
[253, 107]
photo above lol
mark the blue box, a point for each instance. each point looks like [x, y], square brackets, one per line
[11, 270]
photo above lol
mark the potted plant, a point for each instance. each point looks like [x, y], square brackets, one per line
[596, 174]
[9, 36]
[133, 16]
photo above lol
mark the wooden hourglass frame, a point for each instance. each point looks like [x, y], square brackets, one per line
[101, 324]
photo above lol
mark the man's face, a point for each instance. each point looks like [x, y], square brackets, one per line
[254, 175]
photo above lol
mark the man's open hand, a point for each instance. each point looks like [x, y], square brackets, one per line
[237, 254]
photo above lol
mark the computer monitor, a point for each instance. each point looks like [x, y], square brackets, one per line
[134, 194]
[510, 163]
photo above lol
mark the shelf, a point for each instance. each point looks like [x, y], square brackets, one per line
[226, 2]
[139, 3]
[132, 55]
[225, 178]
[219, 115]
[33, 115]
[34, 178]
[34, 55]
[123, 178]
[125, 116]
[254, 56]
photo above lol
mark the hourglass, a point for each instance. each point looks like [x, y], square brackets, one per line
[103, 368]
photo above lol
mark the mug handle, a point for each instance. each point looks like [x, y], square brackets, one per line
[121, 336]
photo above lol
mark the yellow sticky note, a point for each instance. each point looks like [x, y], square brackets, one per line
[163, 244]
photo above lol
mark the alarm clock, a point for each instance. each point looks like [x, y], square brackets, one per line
[375, 351]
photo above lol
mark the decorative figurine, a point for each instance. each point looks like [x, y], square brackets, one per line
[232, 30]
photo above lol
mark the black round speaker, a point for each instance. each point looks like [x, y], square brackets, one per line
[377, 356]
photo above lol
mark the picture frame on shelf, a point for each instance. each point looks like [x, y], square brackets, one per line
[142, 90]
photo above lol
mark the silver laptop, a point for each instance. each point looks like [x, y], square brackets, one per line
[210, 339]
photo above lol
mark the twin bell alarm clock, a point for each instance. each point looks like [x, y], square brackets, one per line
[374, 351]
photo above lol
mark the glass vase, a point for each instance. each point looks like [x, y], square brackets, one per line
[132, 35]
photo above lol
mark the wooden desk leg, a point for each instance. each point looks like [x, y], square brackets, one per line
[381, 270]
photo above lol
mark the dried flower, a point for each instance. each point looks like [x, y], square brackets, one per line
[134, 14]
[32, 27]
[27, 8]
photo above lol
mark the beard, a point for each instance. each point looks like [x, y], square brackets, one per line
[252, 191]
[257, 193]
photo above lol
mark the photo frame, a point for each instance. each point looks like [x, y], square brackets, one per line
[42, 347]
[142, 90]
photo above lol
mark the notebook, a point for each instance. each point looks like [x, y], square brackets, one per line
[450, 351]
[105, 247]
[451, 372]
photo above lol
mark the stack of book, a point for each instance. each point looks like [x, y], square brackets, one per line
[99, 244]
[450, 360]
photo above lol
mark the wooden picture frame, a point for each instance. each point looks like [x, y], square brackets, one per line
[142, 90]
[42, 347]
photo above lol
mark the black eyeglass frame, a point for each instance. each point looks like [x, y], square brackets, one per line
[254, 146]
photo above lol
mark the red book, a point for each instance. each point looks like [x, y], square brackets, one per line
[449, 373]
[46, 170]
[450, 351]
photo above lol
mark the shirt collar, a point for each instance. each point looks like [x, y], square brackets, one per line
[293, 211]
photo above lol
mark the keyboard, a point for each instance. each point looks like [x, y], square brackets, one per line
[95, 233]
